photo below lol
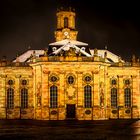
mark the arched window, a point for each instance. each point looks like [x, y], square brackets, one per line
[10, 98]
[113, 97]
[127, 97]
[87, 96]
[65, 22]
[53, 96]
[24, 98]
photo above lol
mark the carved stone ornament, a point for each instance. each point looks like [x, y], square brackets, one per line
[120, 76]
[62, 72]
[101, 94]
[3, 75]
[70, 97]
[38, 94]
[71, 92]
[46, 71]
[134, 76]
[96, 71]
[79, 72]
[71, 52]
[17, 75]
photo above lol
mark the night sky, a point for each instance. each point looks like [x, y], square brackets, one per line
[25, 23]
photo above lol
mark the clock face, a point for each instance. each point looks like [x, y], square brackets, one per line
[66, 33]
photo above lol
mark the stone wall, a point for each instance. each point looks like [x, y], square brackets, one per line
[39, 82]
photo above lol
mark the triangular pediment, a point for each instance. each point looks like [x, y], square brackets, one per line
[68, 46]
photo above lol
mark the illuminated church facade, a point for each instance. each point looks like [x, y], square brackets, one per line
[69, 80]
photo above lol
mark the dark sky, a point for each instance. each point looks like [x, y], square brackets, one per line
[25, 23]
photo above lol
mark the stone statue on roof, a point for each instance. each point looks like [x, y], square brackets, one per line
[71, 52]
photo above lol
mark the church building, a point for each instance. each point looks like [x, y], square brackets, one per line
[69, 80]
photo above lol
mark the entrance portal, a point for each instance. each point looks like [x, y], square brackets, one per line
[70, 111]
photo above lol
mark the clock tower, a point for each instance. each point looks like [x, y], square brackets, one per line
[65, 25]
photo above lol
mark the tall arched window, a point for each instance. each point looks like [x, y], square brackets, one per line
[87, 96]
[24, 98]
[113, 97]
[127, 97]
[53, 96]
[10, 98]
[65, 22]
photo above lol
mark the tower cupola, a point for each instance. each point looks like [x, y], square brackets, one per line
[65, 25]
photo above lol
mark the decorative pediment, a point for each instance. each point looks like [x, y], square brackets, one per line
[66, 41]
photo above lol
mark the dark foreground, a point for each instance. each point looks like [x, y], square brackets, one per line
[69, 130]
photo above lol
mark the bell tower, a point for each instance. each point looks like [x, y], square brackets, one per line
[65, 25]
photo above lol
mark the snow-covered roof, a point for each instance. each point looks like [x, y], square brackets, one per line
[110, 56]
[65, 45]
[27, 54]
[65, 41]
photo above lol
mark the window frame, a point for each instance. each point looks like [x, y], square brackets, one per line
[114, 97]
[53, 96]
[87, 96]
[10, 98]
[24, 98]
[127, 97]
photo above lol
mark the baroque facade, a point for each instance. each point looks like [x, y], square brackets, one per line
[69, 80]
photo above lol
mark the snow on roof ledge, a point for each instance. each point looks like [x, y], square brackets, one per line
[110, 55]
[65, 41]
[27, 54]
